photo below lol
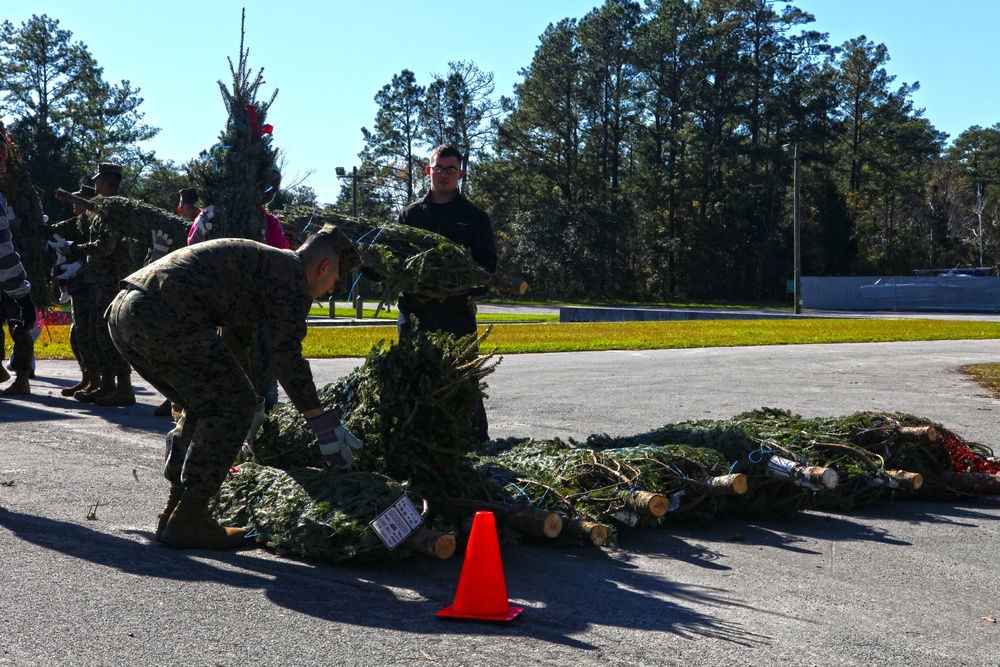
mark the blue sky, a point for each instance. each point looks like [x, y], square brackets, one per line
[329, 58]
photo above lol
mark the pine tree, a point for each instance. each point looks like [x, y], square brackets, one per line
[235, 173]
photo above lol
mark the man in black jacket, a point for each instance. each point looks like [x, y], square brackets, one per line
[445, 211]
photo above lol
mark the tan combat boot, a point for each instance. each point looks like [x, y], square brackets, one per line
[20, 385]
[174, 497]
[90, 379]
[104, 387]
[192, 527]
[123, 395]
[163, 409]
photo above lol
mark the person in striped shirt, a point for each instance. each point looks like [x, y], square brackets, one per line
[16, 306]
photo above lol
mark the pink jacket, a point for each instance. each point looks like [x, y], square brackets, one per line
[274, 235]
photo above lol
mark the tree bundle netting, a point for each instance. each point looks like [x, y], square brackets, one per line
[135, 221]
[29, 238]
[309, 512]
[407, 259]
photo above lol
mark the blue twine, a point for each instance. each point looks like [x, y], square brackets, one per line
[214, 159]
[350, 294]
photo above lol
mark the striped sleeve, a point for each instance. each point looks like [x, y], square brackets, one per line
[13, 279]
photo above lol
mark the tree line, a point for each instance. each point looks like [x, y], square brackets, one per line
[644, 154]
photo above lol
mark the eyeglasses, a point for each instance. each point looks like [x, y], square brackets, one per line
[448, 170]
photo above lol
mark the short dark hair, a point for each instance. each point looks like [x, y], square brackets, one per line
[446, 150]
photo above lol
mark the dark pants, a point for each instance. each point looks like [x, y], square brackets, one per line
[189, 363]
[24, 344]
[81, 337]
[458, 325]
[110, 359]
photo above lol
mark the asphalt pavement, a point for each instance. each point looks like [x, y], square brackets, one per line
[914, 583]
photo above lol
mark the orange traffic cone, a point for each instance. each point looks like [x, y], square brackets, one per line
[482, 591]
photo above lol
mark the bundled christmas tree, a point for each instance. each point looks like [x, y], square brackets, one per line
[134, 220]
[407, 259]
[411, 402]
[29, 237]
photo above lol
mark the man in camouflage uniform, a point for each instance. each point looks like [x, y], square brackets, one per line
[108, 260]
[166, 322]
[77, 230]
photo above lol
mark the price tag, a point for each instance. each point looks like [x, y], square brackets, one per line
[628, 518]
[397, 522]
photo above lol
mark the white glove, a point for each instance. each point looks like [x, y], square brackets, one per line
[69, 270]
[335, 441]
[60, 244]
[204, 218]
[161, 244]
[202, 225]
[63, 295]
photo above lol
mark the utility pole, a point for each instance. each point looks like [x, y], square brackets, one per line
[793, 151]
[355, 177]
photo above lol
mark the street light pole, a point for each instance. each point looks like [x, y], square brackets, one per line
[793, 151]
[355, 177]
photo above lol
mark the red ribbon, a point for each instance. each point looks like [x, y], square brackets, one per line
[267, 129]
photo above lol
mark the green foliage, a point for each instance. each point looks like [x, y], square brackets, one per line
[66, 117]
[392, 145]
[236, 172]
[309, 512]
[29, 239]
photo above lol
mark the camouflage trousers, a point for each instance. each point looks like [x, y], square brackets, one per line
[24, 345]
[96, 342]
[189, 363]
[81, 335]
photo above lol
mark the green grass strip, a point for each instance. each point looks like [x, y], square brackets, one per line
[357, 341]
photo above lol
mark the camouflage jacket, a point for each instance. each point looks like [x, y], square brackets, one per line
[108, 255]
[241, 283]
[75, 229]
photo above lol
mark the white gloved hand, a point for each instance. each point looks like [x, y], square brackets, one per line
[161, 244]
[61, 245]
[202, 225]
[64, 295]
[69, 270]
[204, 218]
[335, 442]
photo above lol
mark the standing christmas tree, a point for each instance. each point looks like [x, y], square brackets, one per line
[235, 174]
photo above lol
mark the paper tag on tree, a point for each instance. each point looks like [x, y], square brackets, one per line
[397, 522]
[628, 518]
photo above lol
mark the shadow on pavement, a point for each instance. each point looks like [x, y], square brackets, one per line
[605, 591]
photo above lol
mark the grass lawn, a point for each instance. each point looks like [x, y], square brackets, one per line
[357, 341]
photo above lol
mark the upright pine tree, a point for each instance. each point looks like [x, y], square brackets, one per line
[235, 173]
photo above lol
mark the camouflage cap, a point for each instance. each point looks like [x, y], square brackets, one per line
[107, 169]
[346, 252]
[189, 196]
[86, 191]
